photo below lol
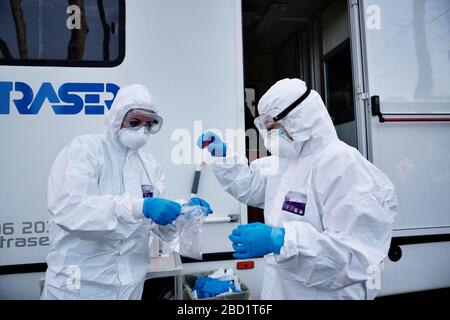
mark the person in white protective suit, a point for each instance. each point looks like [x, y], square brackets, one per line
[106, 199]
[328, 212]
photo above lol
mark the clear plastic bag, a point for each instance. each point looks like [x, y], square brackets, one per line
[189, 230]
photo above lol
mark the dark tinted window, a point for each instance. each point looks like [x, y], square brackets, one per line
[62, 32]
[339, 85]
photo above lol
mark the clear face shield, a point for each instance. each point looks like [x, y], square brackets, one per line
[138, 118]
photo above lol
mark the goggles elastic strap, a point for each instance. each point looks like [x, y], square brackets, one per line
[286, 111]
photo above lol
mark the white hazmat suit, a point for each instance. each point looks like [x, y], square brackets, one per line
[99, 236]
[343, 236]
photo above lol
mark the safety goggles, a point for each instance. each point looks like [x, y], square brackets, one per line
[138, 118]
[266, 122]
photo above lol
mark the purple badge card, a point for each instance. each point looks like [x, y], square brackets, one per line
[147, 191]
[295, 203]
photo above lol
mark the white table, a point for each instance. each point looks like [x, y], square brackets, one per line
[165, 266]
[162, 266]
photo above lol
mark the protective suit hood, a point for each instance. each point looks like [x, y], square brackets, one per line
[309, 124]
[130, 97]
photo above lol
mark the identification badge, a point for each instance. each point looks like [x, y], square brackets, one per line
[147, 191]
[295, 203]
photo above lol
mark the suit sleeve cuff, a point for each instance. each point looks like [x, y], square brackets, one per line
[299, 238]
[138, 204]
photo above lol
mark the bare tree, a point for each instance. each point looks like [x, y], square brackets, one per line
[106, 30]
[16, 7]
[78, 36]
[5, 50]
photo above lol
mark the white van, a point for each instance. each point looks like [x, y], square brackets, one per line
[382, 66]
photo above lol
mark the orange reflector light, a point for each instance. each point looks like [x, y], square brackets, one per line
[244, 265]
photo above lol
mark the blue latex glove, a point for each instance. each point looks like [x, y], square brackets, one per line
[161, 211]
[214, 287]
[215, 145]
[208, 287]
[200, 202]
[200, 282]
[256, 240]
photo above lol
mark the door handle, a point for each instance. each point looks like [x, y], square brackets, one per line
[231, 218]
[405, 117]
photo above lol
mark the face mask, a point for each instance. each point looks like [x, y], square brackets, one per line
[133, 139]
[279, 144]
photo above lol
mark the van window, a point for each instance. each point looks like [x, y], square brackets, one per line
[339, 92]
[339, 84]
[62, 33]
[409, 52]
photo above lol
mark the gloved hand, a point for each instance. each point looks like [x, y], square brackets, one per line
[256, 240]
[200, 202]
[161, 211]
[209, 287]
[215, 145]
